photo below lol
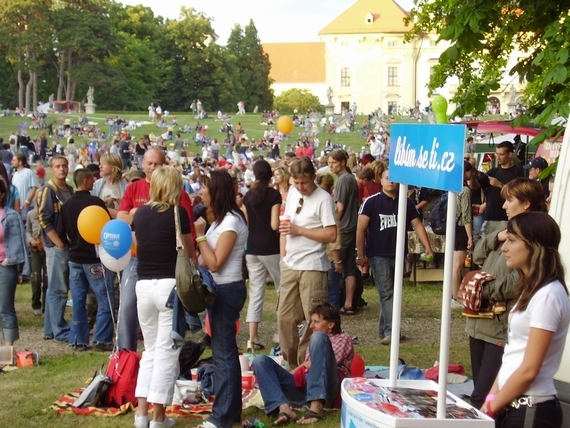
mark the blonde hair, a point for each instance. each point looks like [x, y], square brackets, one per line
[114, 161]
[165, 188]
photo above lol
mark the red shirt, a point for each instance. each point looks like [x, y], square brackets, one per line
[138, 193]
[41, 172]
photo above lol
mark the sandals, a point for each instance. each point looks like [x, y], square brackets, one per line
[254, 346]
[347, 311]
[283, 419]
[309, 415]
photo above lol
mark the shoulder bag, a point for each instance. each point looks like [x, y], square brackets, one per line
[192, 292]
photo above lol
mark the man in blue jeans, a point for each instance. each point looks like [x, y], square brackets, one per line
[316, 382]
[86, 271]
[52, 197]
[377, 224]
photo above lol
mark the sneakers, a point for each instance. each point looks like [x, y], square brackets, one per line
[166, 423]
[103, 347]
[141, 421]
[455, 304]
[388, 339]
[206, 424]
[81, 348]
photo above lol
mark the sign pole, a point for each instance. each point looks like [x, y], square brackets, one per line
[446, 304]
[401, 241]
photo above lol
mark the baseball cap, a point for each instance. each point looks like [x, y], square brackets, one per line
[538, 162]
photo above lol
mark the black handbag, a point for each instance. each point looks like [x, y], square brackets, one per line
[192, 292]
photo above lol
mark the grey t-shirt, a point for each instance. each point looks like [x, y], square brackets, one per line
[346, 192]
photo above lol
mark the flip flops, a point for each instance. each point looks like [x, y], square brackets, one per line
[309, 415]
[283, 419]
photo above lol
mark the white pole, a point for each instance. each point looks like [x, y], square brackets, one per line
[446, 304]
[401, 240]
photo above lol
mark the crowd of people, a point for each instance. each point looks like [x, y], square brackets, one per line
[317, 226]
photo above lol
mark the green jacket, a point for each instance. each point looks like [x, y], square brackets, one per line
[489, 256]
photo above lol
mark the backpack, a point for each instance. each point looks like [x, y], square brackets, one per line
[438, 215]
[123, 369]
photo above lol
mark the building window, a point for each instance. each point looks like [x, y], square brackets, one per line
[392, 43]
[392, 76]
[431, 70]
[369, 19]
[345, 76]
[392, 107]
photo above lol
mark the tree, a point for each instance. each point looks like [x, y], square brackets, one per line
[301, 99]
[484, 34]
[253, 67]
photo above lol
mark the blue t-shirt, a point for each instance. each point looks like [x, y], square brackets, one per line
[383, 213]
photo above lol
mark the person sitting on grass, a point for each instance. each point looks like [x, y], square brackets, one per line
[316, 382]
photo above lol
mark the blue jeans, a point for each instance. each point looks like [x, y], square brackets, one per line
[227, 372]
[334, 287]
[55, 325]
[383, 269]
[81, 278]
[8, 282]
[128, 319]
[323, 382]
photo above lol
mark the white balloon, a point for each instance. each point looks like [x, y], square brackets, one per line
[111, 263]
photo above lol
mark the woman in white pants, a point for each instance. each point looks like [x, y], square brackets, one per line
[155, 233]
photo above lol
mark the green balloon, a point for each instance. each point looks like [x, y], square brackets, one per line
[439, 106]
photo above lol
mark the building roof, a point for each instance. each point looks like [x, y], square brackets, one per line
[386, 17]
[296, 62]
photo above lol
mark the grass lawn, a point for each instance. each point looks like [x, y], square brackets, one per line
[28, 393]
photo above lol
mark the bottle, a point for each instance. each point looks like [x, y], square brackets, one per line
[426, 257]
[467, 263]
[258, 424]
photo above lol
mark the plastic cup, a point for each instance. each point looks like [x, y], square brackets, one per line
[194, 373]
[247, 379]
[244, 363]
[284, 219]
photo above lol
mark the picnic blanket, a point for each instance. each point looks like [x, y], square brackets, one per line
[251, 397]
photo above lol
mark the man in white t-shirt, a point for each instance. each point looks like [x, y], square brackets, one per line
[24, 179]
[304, 281]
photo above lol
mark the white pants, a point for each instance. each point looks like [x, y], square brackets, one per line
[159, 364]
[258, 266]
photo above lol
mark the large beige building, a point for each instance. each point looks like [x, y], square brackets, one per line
[364, 60]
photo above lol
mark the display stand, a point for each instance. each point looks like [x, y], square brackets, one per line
[360, 412]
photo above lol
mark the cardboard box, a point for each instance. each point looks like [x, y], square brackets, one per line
[6, 355]
[355, 414]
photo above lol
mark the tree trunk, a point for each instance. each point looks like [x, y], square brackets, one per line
[60, 84]
[35, 90]
[73, 87]
[28, 92]
[20, 89]
[68, 86]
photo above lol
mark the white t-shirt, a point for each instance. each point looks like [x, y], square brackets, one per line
[549, 309]
[302, 253]
[24, 180]
[231, 271]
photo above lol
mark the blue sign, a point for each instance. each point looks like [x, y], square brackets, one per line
[427, 155]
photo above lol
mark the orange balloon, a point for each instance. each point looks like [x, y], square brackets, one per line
[285, 125]
[90, 223]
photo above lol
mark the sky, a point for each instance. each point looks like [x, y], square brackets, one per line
[275, 20]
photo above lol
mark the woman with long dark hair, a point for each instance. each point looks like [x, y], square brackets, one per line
[262, 204]
[524, 392]
[221, 252]
[487, 337]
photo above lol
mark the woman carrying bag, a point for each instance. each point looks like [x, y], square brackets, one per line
[221, 252]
